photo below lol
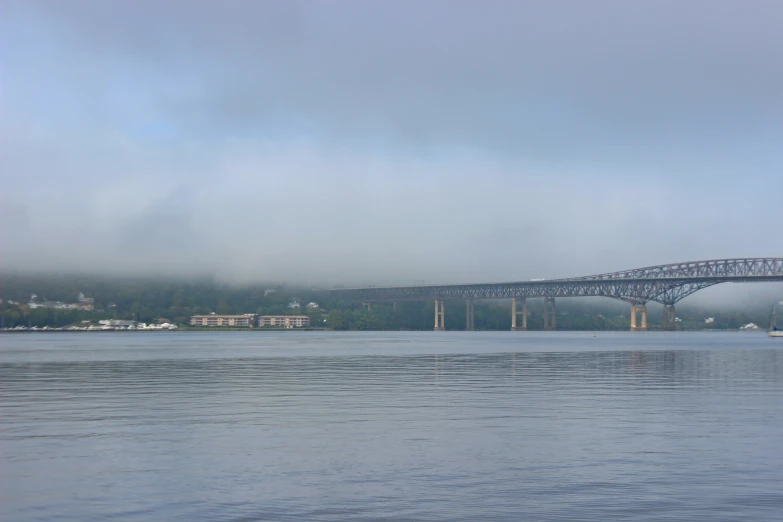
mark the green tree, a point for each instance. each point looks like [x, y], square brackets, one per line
[335, 321]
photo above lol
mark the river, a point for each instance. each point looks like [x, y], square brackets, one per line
[420, 426]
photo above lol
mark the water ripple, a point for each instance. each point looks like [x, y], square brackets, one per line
[391, 427]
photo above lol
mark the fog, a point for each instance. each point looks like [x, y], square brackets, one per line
[403, 142]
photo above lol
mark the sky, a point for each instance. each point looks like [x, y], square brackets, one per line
[397, 142]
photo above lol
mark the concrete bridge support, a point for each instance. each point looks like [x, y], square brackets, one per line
[550, 314]
[669, 323]
[440, 315]
[470, 323]
[514, 313]
[635, 310]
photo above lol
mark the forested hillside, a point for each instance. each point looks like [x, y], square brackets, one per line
[148, 300]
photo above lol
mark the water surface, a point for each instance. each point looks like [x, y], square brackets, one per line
[391, 426]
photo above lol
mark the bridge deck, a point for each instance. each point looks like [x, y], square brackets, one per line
[665, 283]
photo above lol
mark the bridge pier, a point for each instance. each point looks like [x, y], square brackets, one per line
[514, 326]
[550, 314]
[669, 323]
[470, 323]
[440, 315]
[638, 309]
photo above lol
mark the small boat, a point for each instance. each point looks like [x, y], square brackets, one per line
[773, 331]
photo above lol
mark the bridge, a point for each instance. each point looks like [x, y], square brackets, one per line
[665, 284]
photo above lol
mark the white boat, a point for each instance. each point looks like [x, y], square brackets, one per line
[773, 331]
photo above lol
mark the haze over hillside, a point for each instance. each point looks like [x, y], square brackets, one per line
[387, 142]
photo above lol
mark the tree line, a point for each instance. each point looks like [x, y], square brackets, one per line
[148, 300]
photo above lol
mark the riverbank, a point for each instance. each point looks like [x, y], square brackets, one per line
[253, 330]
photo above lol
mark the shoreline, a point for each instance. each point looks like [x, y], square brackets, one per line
[254, 330]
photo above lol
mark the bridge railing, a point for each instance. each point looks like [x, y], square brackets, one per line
[665, 283]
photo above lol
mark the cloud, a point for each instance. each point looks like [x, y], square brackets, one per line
[355, 142]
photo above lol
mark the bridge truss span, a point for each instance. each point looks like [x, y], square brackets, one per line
[666, 284]
[713, 268]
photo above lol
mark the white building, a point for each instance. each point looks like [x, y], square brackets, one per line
[116, 323]
[222, 320]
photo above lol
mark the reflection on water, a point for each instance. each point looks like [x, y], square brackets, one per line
[409, 426]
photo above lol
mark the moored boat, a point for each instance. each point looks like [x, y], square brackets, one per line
[773, 331]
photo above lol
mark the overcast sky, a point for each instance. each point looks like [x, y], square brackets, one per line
[388, 142]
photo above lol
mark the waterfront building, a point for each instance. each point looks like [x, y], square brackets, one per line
[116, 323]
[284, 321]
[222, 320]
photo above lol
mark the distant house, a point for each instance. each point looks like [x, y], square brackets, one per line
[86, 305]
[709, 320]
[284, 321]
[313, 305]
[294, 304]
[116, 323]
[83, 303]
[49, 304]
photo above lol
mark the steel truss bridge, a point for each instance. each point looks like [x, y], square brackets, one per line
[665, 284]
